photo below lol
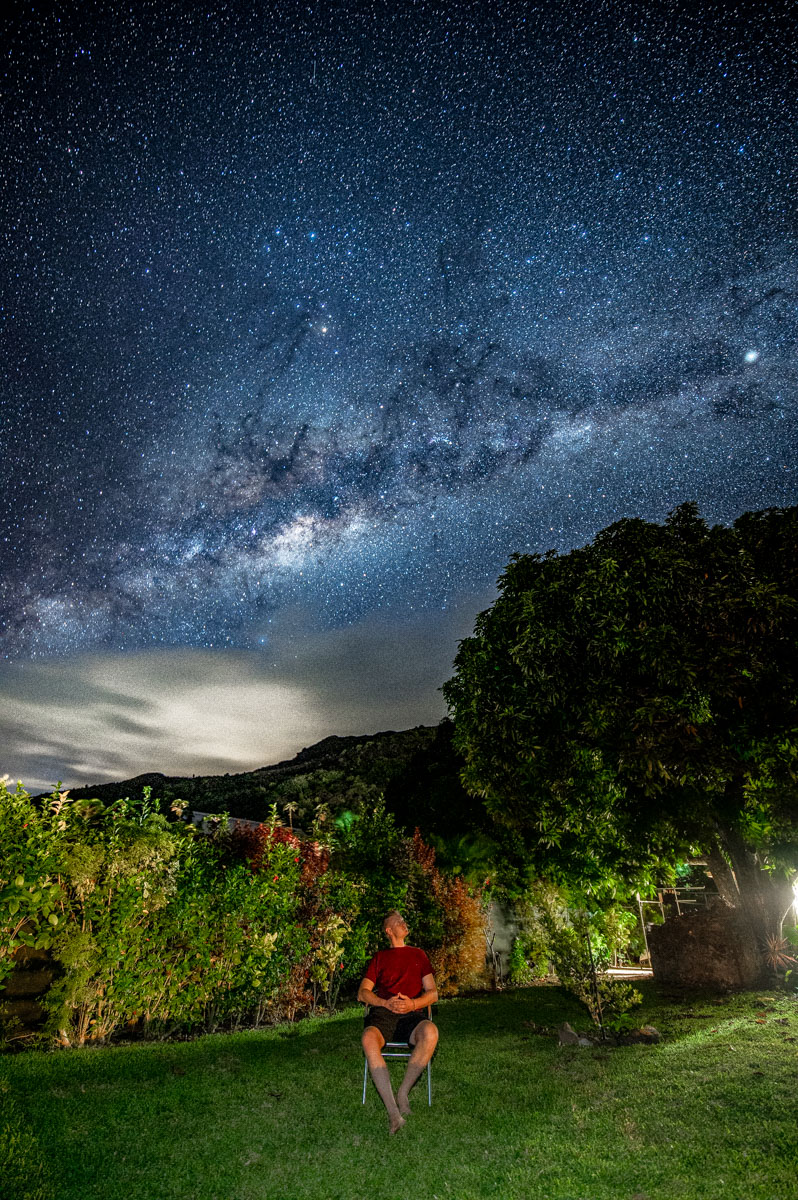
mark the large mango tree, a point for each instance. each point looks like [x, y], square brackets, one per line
[635, 699]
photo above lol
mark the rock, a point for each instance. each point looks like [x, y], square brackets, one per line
[27, 983]
[29, 1012]
[586, 1041]
[646, 1036]
[567, 1035]
[712, 948]
[26, 956]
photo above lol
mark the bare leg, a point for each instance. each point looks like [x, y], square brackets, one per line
[373, 1042]
[424, 1039]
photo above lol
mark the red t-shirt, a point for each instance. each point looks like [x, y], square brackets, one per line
[400, 969]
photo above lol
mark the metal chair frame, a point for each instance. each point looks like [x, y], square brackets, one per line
[390, 1050]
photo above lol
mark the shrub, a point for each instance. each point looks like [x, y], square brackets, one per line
[558, 929]
[30, 896]
[155, 925]
[158, 927]
[519, 969]
[454, 925]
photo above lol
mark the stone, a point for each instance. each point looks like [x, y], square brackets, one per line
[706, 948]
[29, 1012]
[27, 956]
[27, 983]
[567, 1035]
[647, 1035]
[586, 1041]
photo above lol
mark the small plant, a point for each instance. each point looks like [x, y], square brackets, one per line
[580, 944]
[520, 971]
[781, 956]
[621, 1023]
[777, 953]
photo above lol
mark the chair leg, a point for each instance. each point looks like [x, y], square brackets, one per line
[429, 1077]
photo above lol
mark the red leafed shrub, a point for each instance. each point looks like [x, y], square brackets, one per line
[424, 855]
[294, 999]
[458, 960]
[255, 845]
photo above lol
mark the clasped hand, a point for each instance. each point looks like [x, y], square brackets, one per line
[400, 1003]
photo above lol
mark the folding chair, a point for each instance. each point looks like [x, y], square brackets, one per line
[391, 1050]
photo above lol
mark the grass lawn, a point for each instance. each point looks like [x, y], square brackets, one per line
[709, 1114]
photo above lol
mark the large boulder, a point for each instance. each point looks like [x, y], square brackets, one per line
[706, 948]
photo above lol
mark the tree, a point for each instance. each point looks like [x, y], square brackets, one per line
[626, 702]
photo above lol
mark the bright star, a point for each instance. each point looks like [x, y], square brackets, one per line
[751, 355]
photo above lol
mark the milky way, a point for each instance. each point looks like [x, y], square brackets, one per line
[333, 308]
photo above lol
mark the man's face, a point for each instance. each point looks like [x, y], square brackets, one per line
[398, 927]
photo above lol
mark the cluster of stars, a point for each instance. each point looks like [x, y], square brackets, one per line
[338, 309]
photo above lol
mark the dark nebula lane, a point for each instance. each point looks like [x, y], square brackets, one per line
[328, 309]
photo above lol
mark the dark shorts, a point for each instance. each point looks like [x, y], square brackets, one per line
[394, 1027]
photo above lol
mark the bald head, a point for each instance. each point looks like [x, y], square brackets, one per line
[395, 927]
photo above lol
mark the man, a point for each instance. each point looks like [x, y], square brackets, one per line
[398, 986]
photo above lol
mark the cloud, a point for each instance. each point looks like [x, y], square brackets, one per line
[177, 711]
[99, 717]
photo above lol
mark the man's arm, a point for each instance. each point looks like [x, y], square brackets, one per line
[429, 995]
[367, 995]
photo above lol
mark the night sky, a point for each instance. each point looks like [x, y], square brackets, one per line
[313, 314]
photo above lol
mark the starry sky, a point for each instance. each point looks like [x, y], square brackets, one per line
[313, 314]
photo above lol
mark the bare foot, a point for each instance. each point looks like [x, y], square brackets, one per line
[397, 1122]
[403, 1105]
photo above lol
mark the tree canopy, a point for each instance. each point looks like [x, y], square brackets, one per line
[631, 700]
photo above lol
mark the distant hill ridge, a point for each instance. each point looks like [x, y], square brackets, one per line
[330, 751]
[416, 770]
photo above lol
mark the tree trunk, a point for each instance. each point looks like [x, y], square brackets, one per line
[761, 895]
[723, 877]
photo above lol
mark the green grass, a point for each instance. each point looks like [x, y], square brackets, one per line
[709, 1114]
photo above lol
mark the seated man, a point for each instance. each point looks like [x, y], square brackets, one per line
[398, 985]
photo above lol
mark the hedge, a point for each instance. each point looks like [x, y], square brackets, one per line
[158, 928]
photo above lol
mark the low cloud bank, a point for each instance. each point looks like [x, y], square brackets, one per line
[98, 717]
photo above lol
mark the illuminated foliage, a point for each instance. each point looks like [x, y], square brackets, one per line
[627, 701]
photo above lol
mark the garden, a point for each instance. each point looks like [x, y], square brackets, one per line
[201, 980]
[623, 713]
